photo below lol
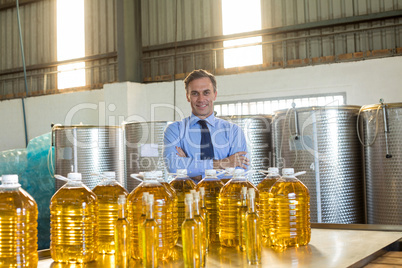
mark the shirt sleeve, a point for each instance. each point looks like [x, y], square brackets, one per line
[172, 138]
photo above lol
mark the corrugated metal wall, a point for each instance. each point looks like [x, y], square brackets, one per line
[331, 43]
[329, 34]
[195, 19]
[100, 40]
[38, 24]
[39, 27]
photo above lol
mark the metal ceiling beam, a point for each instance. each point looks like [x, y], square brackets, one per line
[280, 30]
[11, 4]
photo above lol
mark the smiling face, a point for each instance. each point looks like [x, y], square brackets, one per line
[201, 95]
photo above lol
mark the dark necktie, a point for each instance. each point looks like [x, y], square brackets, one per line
[207, 149]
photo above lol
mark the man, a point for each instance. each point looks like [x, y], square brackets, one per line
[203, 141]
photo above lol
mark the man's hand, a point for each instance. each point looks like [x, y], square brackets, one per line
[235, 160]
[180, 152]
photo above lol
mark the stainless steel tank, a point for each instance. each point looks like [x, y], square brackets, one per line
[257, 130]
[88, 150]
[383, 162]
[144, 149]
[323, 142]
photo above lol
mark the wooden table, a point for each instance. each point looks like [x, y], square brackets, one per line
[332, 245]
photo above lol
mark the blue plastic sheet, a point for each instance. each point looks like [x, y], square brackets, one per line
[35, 171]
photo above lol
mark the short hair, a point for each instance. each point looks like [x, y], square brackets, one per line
[196, 74]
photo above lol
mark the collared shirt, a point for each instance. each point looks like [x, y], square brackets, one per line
[227, 139]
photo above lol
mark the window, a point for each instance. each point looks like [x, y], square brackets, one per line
[269, 106]
[241, 16]
[70, 42]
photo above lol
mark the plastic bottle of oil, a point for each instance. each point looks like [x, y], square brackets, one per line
[264, 210]
[149, 233]
[73, 222]
[290, 211]
[228, 175]
[212, 185]
[18, 225]
[162, 213]
[204, 215]
[191, 236]
[122, 235]
[242, 219]
[108, 192]
[229, 203]
[172, 193]
[252, 231]
[182, 185]
[201, 223]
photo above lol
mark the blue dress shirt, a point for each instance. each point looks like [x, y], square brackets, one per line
[227, 139]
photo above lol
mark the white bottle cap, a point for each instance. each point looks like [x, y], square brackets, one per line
[122, 199]
[150, 199]
[230, 170]
[189, 197]
[109, 174]
[273, 170]
[251, 192]
[181, 172]
[288, 172]
[196, 195]
[239, 172]
[202, 190]
[150, 175]
[243, 190]
[10, 181]
[210, 172]
[74, 176]
[158, 173]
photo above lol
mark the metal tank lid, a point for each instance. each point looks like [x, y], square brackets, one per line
[245, 116]
[56, 127]
[375, 106]
[318, 108]
[142, 122]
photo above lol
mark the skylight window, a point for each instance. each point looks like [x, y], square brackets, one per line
[241, 16]
[70, 43]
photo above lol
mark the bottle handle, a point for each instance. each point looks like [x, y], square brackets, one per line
[299, 173]
[62, 178]
[136, 177]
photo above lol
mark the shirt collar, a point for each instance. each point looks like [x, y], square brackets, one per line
[210, 120]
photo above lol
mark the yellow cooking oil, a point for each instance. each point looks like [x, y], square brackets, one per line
[150, 236]
[142, 218]
[263, 187]
[242, 219]
[172, 193]
[18, 225]
[182, 184]
[212, 186]
[252, 231]
[73, 222]
[229, 208]
[108, 192]
[191, 236]
[290, 211]
[162, 212]
[122, 235]
[228, 175]
[201, 223]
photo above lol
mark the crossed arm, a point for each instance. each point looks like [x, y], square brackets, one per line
[238, 159]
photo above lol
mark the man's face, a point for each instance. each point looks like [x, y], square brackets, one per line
[201, 95]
